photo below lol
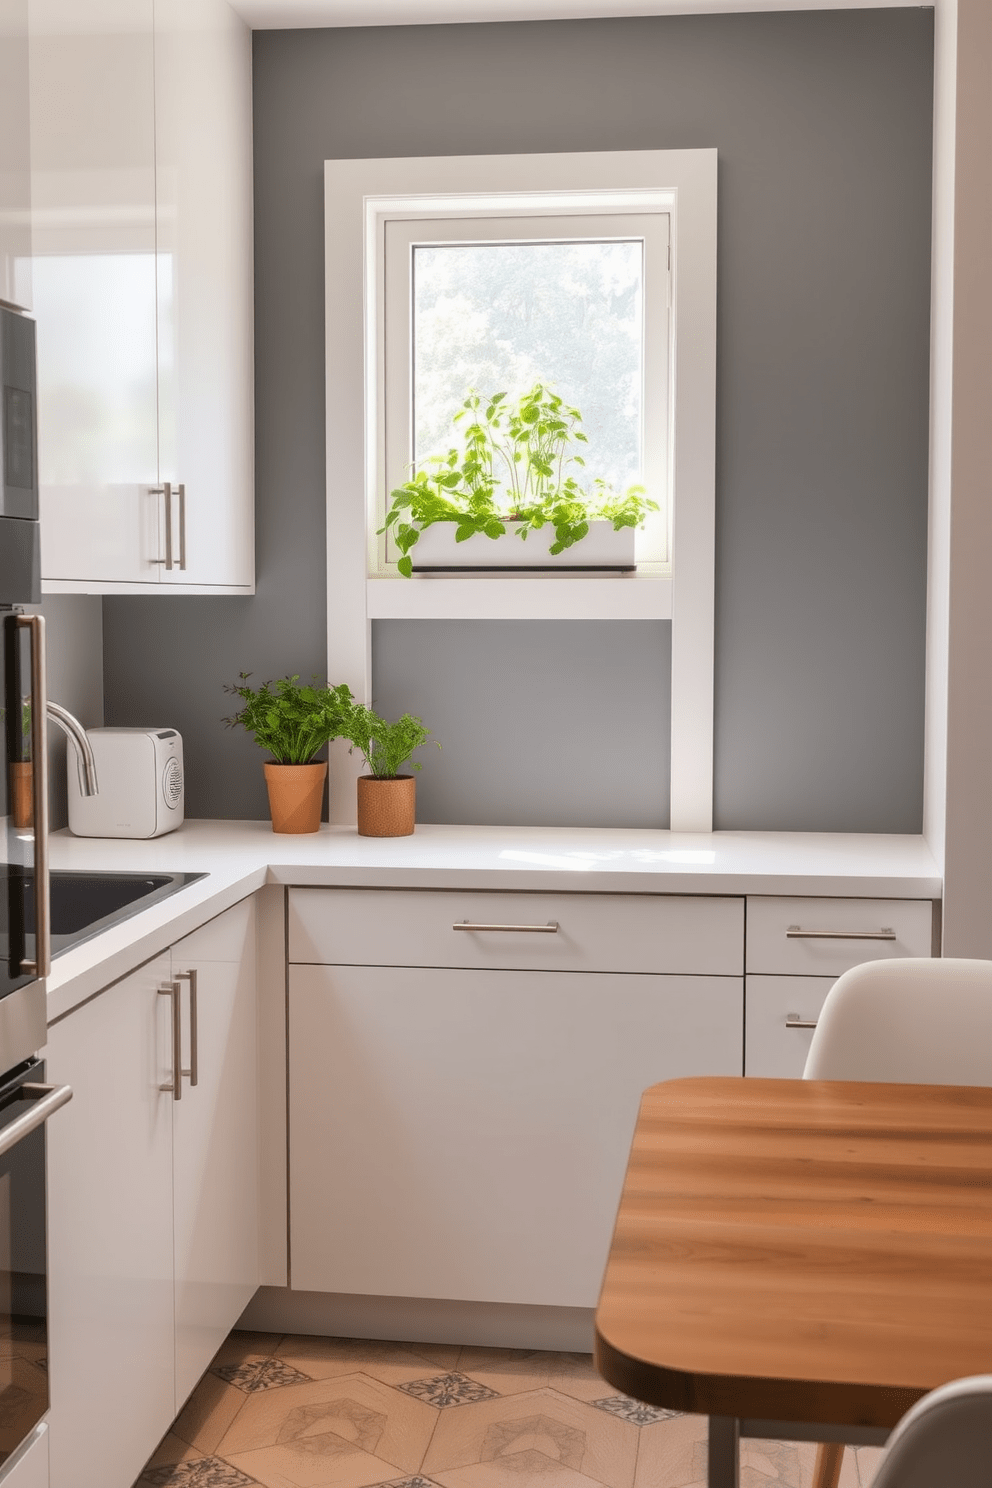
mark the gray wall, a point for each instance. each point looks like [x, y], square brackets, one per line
[823, 124]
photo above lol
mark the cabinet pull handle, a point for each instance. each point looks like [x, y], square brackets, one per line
[175, 1085]
[165, 490]
[793, 1020]
[194, 1056]
[551, 928]
[44, 1100]
[182, 536]
[796, 932]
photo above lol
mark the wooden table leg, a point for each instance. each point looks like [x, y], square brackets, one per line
[829, 1456]
[724, 1452]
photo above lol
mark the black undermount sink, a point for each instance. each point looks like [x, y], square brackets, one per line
[83, 904]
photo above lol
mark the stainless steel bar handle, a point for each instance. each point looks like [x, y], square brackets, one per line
[194, 1056]
[168, 562]
[175, 1085]
[44, 1100]
[42, 964]
[796, 932]
[551, 928]
[793, 1020]
[182, 526]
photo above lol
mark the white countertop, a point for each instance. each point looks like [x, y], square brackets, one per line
[239, 857]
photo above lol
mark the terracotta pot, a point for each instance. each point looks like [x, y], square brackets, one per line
[22, 794]
[296, 794]
[386, 808]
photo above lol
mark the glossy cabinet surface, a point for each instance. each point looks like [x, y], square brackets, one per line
[15, 156]
[110, 1235]
[142, 240]
[153, 1200]
[215, 1138]
[462, 1131]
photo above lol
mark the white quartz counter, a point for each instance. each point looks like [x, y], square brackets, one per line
[239, 857]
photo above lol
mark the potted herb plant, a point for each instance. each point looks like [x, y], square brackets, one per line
[386, 799]
[293, 723]
[513, 477]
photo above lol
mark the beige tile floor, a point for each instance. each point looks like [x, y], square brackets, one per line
[302, 1412]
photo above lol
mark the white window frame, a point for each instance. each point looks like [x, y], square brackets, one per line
[359, 197]
[395, 324]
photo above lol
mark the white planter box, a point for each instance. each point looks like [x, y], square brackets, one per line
[601, 548]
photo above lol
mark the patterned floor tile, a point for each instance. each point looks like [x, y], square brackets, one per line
[209, 1412]
[206, 1472]
[523, 1470]
[391, 1362]
[253, 1374]
[672, 1453]
[363, 1431]
[869, 1460]
[172, 1449]
[632, 1410]
[442, 1390]
[533, 1434]
[415, 1482]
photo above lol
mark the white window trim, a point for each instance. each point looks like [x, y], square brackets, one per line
[359, 195]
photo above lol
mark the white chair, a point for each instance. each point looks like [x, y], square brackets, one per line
[944, 1441]
[915, 1021]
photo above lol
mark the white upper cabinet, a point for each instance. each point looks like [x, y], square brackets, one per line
[141, 180]
[204, 234]
[15, 160]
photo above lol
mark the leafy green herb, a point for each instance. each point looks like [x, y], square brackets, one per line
[513, 467]
[290, 721]
[385, 746]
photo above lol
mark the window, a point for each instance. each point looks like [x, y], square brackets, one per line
[576, 302]
[405, 246]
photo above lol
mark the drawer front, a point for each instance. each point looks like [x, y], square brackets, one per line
[823, 937]
[596, 932]
[774, 1007]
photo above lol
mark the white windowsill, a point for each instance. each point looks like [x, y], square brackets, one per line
[529, 597]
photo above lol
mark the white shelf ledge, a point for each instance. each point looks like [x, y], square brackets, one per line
[503, 597]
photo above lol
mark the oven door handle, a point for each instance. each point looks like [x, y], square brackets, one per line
[45, 1099]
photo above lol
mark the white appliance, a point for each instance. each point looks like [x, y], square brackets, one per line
[139, 774]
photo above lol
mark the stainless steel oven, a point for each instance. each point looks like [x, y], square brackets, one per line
[26, 1101]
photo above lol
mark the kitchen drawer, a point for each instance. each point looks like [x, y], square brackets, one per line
[771, 1047]
[839, 933]
[596, 932]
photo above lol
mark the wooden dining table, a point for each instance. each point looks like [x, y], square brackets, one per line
[800, 1259]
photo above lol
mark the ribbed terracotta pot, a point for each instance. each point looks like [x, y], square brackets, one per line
[386, 808]
[296, 794]
[22, 794]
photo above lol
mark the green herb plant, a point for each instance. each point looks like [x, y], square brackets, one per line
[386, 747]
[290, 721]
[515, 466]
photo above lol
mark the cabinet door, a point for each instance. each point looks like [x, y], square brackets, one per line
[93, 207]
[775, 1008]
[465, 1134]
[203, 211]
[215, 1141]
[15, 156]
[110, 1234]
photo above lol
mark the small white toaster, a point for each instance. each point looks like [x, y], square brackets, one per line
[139, 776]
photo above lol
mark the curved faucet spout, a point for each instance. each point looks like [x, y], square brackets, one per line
[74, 731]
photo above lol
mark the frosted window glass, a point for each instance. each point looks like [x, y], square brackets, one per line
[499, 317]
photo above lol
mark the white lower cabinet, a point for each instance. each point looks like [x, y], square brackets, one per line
[780, 1013]
[153, 1206]
[463, 1134]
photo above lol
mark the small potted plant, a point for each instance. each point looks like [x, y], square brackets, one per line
[513, 478]
[386, 799]
[293, 723]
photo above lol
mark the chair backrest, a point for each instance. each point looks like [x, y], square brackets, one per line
[944, 1441]
[914, 1021]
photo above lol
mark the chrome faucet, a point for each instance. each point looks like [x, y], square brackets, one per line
[76, 734]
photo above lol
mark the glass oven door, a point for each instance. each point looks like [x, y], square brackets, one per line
[24, 954]
[25, 1105]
